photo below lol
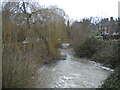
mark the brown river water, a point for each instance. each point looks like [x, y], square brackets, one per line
[73, 72]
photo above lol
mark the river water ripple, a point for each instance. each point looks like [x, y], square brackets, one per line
[71, 73]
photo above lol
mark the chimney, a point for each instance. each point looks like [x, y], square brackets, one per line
[111, 18]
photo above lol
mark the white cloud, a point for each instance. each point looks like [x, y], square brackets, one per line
[77, 9]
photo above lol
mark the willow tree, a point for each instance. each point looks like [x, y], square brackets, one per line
[19, 15]
[31, 20]
[55, 31]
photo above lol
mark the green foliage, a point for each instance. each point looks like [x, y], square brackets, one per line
[113, 81]
[89, 47]
[108, 54]
[105, 52]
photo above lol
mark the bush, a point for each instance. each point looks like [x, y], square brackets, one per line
[105, 52]
[89, 47]
[109, 53]
[20, 61]
[113, 81]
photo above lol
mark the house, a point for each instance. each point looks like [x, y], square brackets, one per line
[109, 29]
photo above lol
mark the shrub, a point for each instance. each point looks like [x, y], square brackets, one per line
[105, 52]
[89, 47]
[20, 61]
[113, 81]
[109, 53]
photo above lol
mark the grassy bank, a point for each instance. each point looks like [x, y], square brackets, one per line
[105, 52]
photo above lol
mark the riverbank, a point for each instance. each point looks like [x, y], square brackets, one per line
[20, 61]
[105, 52]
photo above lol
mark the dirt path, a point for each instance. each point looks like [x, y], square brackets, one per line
[71, 73]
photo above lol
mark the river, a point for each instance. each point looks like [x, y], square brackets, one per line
[73, 72]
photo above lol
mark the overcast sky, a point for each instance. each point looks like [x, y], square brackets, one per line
[77, 9]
